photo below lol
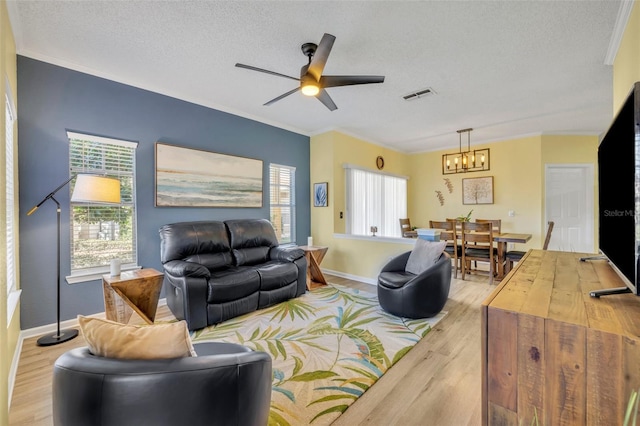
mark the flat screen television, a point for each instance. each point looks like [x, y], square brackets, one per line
[619, 194]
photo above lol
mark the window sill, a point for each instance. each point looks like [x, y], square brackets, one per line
[95, 274]
[394, 240]
[12, 304]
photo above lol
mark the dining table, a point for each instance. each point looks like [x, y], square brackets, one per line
[503, 239]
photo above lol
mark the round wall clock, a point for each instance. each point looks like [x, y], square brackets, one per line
[380, 162]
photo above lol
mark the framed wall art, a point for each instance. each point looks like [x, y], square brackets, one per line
[477, 190]
[188, 177]
[320, 194]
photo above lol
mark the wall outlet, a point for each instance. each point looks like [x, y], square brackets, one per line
[340, 215]
[512, 213]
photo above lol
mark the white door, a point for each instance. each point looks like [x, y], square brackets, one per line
[569, 203]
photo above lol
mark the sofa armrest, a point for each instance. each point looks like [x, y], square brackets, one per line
[396, 264]
[286, 254]
[181, 268]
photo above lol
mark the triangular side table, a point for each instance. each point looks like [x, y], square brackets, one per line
[132, 291]
[314, 255]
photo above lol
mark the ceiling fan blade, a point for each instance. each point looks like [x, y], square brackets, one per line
[324, 97]
[349, 80]
[319, 59]
[284, 95]
[249, 67]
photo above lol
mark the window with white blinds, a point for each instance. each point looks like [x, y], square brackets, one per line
[282, 185]
[100, 233]
[375, 199]
[10, 197]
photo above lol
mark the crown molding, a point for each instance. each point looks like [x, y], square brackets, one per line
[624, 12]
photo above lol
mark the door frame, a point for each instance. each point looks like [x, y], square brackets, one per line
[589, 188]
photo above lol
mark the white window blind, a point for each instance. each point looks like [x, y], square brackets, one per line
[282, 184]
[375, 199]
[13, 293]
[101, 233]
[10, 198]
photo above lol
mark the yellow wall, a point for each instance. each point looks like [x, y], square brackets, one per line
[626, 66]
[329, 152]
[8, 332]
[321, 170]
[517, 167]
[350, 150]
[516, 186]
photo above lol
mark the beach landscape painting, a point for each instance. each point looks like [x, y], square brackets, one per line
[188, 177]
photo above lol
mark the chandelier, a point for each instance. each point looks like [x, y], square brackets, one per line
[465, 161]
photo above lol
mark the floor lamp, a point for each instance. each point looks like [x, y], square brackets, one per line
[88, 189]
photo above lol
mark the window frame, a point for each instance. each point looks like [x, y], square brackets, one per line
[96, 272]
[349, 202]
[292, 200]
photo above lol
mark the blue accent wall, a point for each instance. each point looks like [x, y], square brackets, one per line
[52, 100]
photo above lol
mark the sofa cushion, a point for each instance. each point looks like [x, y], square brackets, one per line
[232, 283]
[245, 235]
[114, 340]
[251, 256]
[395, 279]
[275, 274]
[188, 240]
[212, 261]
[424, 255]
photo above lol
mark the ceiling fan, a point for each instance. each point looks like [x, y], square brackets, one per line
[312, 82]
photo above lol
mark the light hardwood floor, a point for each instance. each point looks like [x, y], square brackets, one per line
[436, 383]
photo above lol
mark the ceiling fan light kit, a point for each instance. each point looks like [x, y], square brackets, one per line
[477, 160]
[312, 82]
[309, 86]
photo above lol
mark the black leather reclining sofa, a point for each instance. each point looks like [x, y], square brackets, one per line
[216, 270]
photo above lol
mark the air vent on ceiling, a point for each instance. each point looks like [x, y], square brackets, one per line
[419, 94]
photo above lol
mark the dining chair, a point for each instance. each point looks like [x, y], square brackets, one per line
[497, 224]
[457, 222]
[448, 233]
[497, 229]
[475, 234]
[516, 255]
[405, 229]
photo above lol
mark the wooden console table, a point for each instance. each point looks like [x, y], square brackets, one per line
[551, 350]
[314, 255]
[137, 290]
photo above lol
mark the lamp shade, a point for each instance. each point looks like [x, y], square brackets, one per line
[96, 189]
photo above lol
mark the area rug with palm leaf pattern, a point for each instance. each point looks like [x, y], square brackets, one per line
[328, 347]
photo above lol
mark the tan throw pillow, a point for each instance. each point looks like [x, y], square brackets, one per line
[114, 340]
[424, 255]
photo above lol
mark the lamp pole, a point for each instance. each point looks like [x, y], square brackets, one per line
[70, 333]
[88, 189]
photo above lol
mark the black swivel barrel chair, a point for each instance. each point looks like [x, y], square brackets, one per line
[407, 295]
[226, 384]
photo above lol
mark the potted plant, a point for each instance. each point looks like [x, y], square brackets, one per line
[466, 218]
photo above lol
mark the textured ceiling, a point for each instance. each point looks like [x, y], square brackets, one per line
[505, 68]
